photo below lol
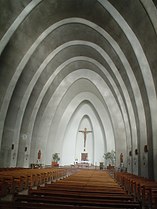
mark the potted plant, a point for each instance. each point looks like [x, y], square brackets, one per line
[110, 157]
[55, 159]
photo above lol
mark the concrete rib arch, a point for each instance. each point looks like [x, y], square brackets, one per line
[50, 57]
[104, 118]
[91, 127]
[137, 102]
[51, 79]
[69, 82]
[41, 38]
[23, 105]
[152, 12]
[74, 123]
[145, 70]
[7, 36]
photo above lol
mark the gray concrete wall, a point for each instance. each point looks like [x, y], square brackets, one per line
[48, 46]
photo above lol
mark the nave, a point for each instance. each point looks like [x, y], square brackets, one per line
[78, 188]
[74, 68]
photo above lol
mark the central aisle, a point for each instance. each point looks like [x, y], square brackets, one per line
[92, 189]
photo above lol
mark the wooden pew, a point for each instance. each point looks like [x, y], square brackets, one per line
[75, 201]
[20, 179]
[84, 189]
[142, 188]
[4, 187]
[50, 206]
[85, 193]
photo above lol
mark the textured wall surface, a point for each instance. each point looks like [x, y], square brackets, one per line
[70, 65]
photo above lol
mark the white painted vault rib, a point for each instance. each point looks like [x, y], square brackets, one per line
[106, 101]
[107, 98]
[42, 37]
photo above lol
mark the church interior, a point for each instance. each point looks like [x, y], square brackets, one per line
[78, 81]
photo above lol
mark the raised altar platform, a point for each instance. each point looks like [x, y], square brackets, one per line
[82, 165]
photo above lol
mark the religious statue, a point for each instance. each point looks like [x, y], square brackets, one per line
[85, 132]
[121, 158]
[39, 154]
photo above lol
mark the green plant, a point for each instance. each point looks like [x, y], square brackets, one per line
[55, 157]
[110, 156]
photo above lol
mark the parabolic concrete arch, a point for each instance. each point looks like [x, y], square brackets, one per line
[95, 143]
[141, 57]
[70, 79]
[15, 136]
[103, 119]
[41, 38]
[50, 80]
[34, 79]
[91, 63]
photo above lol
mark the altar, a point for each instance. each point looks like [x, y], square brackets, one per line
[83, 164]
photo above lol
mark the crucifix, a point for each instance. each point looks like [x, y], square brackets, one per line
[85, 132]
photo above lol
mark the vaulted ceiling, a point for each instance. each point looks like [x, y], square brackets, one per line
[66, 64]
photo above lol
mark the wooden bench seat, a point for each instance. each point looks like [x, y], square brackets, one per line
[142, 188]
[76, 201]
[85, 189]
[81, 194]
[81, 190]
[50, 206]
[20, 179]
[4, 187]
